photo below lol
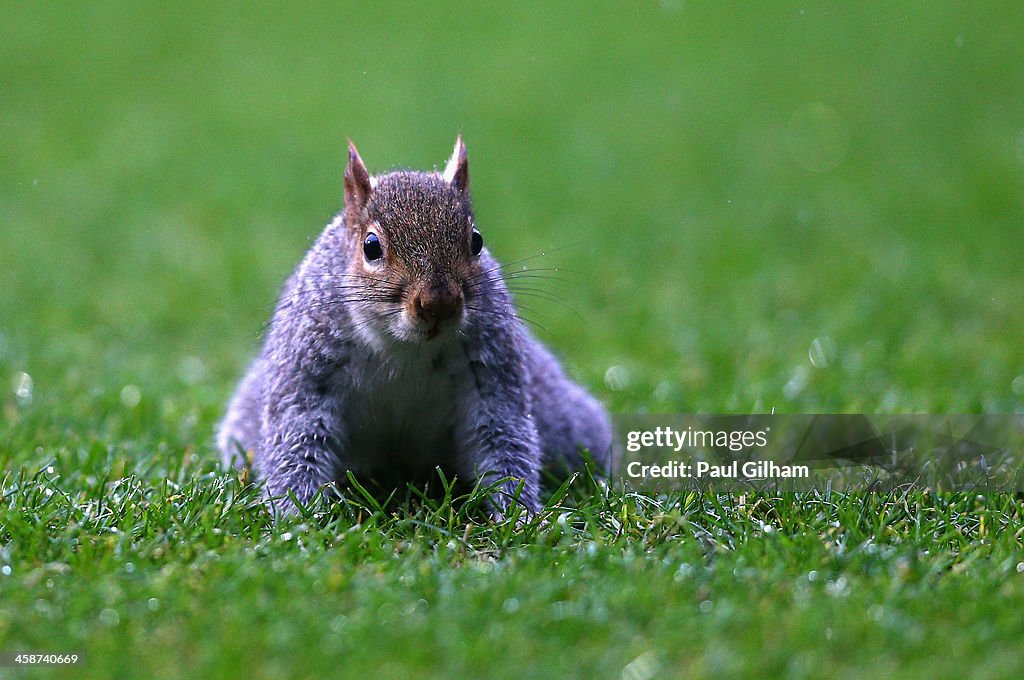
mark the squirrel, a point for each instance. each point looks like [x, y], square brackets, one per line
[395, 348]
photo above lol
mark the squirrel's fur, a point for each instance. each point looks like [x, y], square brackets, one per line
[390, 367]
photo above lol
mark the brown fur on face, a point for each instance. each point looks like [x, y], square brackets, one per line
[424, 223]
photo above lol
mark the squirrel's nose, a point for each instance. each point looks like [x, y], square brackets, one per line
[435, 308]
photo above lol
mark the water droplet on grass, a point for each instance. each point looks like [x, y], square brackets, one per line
[6, 570]
[191, 370]
[822, 352]
[643, 667]
[796, 384]
[665, 391]
[837, 588]
[617, 378]
[682, 572]
[23, 388]
[1018, 385]
[131, 396]
[109, 617]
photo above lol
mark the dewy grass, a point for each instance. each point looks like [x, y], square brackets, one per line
[778, 209]
[428, 586]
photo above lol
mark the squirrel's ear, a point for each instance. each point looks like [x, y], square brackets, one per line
[456, 172]
[357, 181]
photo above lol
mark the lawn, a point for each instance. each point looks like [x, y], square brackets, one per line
[811, 208]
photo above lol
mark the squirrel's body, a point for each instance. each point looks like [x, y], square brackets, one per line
[395, 349]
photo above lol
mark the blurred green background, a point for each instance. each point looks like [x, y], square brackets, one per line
[806, 207]
[722, 183]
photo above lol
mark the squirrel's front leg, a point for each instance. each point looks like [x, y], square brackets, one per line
[498, 438]
[301, 442]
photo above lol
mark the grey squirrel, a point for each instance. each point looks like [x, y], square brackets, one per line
[395, 348]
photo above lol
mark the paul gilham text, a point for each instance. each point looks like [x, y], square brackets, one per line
[761, 469]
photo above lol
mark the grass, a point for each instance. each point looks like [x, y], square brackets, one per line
[187, 575]
[723, 192]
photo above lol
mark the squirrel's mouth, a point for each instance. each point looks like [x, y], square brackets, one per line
[412, 330]
[438, 329]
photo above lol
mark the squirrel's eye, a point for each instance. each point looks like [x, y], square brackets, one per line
[476, 242]
[371, 248]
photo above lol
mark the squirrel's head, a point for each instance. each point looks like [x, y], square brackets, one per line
[415, 251]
